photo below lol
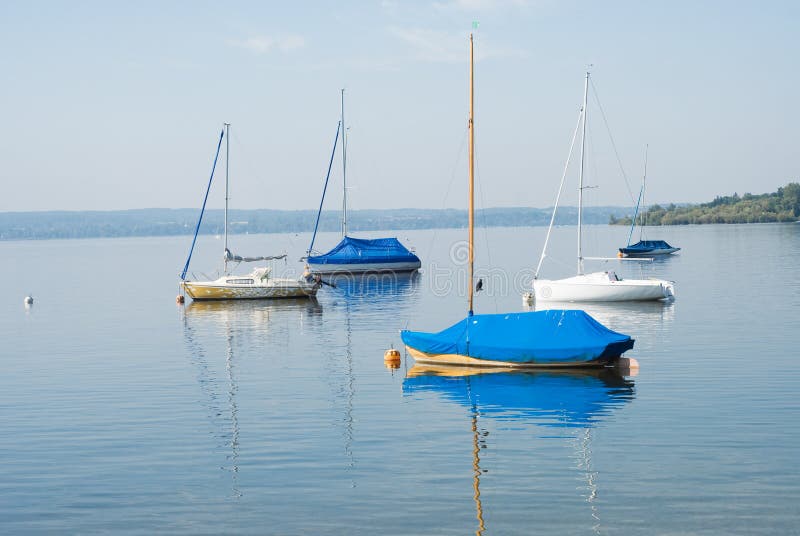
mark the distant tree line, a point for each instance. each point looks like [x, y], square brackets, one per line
[780, 206]
[172, 222]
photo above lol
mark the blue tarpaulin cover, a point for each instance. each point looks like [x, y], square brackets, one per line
[552, 336]
[365, 251]
[560, 399]
[643, 246]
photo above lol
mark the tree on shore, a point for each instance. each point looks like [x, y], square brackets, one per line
[780, 206]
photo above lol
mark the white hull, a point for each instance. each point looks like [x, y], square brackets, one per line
[364, 268]
[602, 287]
[250, 287]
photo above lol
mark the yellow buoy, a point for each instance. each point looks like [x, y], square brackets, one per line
[179, 298]
[619, 254]
[391, 358]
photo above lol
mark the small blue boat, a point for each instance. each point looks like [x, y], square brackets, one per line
[550, 338]
[644, 248]
[360, 255]
[356, 255]
[648, 248]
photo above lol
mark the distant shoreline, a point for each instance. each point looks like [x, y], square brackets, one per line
[780, 207]
[52, 225]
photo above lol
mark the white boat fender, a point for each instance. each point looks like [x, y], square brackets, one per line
[628, 366]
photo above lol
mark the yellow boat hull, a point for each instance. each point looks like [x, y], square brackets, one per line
[463, 360]
[209, 291]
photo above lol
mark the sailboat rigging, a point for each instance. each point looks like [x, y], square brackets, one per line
[356, 255]
[256, 285]
[644, 248]
[553, 338]
[604, 286]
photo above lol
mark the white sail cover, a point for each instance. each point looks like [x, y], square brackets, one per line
[231, 257]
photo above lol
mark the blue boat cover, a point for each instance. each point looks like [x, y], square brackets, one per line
[558, 399]
[545, 337]
[365, 251]
[646, 245]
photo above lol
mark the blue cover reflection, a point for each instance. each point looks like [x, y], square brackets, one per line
[547, 398]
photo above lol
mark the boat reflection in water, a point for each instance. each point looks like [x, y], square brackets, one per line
[561, 398]
[575, 400]
[357, 299]
[235, 328]
[638, 318]
[253, 313]
[376, 289]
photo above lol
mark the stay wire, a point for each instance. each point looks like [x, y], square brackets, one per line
[613, 144]
[245, 159]
[459, 155]
[485, 227]
[558, 196]
[589, 196]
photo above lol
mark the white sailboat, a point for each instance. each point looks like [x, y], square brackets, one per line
[259, 283]
[604, 286]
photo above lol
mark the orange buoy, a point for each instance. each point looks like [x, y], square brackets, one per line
[391, 358]
[180, 298]
[619, 254]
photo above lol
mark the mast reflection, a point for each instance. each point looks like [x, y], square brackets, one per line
[205, 323]
[575, 400]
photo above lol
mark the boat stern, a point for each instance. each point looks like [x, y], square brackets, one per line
[669, 290]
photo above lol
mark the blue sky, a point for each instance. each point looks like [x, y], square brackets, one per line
[118, 105]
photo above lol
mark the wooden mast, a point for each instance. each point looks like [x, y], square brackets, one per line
[471, 245]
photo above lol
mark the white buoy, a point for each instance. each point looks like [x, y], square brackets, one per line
[628, 366]
[28, 300]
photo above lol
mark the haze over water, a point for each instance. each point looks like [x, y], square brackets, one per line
[123, 412]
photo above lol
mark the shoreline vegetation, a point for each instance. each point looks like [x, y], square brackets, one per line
[175, 222]
[780, 206]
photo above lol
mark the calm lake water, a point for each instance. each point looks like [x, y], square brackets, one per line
[121, 411]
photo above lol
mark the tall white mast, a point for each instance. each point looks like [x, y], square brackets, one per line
[471, 245]
[644, 190]
[227, 165]
[580, 180]
[344, 172]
